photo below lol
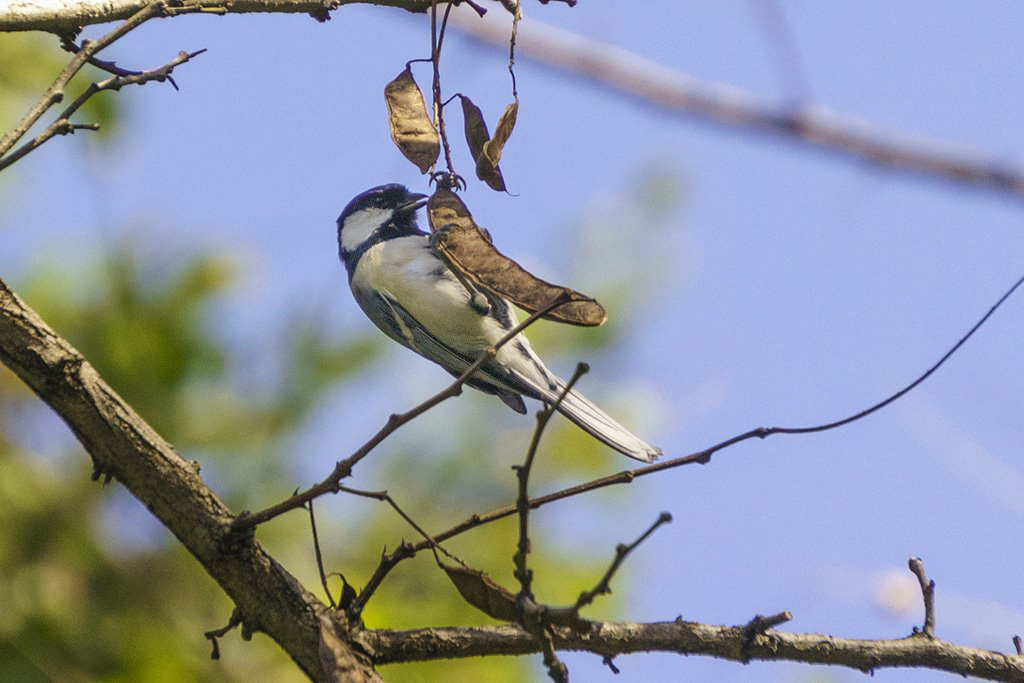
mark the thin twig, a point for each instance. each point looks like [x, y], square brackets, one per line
[603, 586]
[319, 556]
[343, 468]
[214, 634]
[928, 593]
[704, 456]
[519, 560]
[63, 125]
[55, 93]
[435, 57]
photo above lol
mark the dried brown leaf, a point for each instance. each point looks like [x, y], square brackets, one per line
[411, 127]
[469, 250]
[477, 137]
[482, 592]
[494, 146]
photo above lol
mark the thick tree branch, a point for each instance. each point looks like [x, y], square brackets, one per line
[123, 445]
[69, 16]
[725, 642]
[654, 84]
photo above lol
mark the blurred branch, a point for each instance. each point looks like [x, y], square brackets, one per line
[123, 445]
[735, 643]
[610, 66]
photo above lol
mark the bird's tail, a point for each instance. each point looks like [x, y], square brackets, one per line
[602, 427]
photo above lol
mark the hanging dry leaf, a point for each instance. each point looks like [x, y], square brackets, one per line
[411, 127]
[477, 137]
[493, 147]
[482, 592]
[469, 250]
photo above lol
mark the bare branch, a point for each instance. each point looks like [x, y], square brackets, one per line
[55, 93]
[343, 468]
[928, 593]
[63, 126]
[622, 550]
[522, 571]
[651, 83]
[319, 556]
[704, 456]
[682, 637]
[68, 16]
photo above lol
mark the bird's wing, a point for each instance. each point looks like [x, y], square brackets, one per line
[391, 317]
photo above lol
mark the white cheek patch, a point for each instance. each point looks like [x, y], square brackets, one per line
[360, 226]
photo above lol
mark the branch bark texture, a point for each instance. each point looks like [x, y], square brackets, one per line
[123, 445]
[69, 16]
[724, 642]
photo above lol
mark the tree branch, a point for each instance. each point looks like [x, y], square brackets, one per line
[124, 446]
[343, 468]
[69, 16]
[55, 93]
[653, 84]
[689, 638]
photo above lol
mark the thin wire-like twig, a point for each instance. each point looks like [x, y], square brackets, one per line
[704, 456]
[388, 561]
[522, 571]
[435, 57]
[319, 556]
[343, 468]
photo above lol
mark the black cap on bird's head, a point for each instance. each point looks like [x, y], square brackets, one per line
[393, 197]
[381, 213]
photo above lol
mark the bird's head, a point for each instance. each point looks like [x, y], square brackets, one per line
[379, 214]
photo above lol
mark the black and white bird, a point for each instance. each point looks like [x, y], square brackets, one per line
[410, 294]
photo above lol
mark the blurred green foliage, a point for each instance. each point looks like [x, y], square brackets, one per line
[94, 590]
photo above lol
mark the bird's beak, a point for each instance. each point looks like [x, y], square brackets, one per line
[414, 202]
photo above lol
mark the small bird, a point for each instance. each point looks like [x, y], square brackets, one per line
[412, 296]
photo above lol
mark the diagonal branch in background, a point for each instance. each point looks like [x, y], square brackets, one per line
[653, 84]
[724, 642]
[123, 445]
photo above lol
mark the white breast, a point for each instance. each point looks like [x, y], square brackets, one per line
[406, 269]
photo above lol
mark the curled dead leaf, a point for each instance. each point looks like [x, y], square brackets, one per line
[469, 250]
[411, 128]
[486, 148]
[482, 592]
[477, 137]
[494, 146]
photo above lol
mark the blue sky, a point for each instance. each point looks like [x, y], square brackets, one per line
[790, 287]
